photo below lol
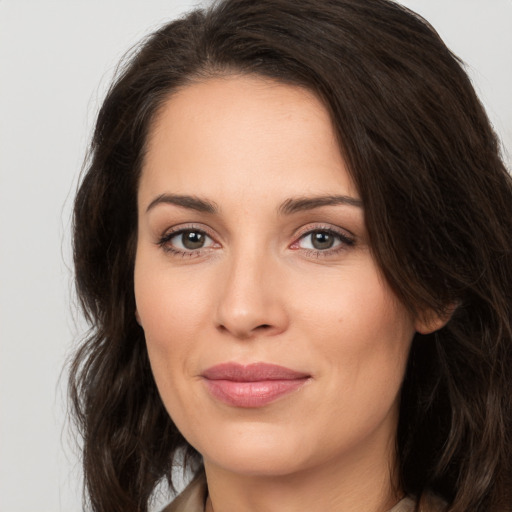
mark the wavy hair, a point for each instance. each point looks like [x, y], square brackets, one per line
[438, 203]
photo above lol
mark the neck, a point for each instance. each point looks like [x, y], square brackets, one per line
[363, 483]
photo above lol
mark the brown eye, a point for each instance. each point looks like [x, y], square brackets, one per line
[322, 240]
[191, 239]
[186, 241]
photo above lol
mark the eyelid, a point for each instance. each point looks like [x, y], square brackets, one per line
[347, 239]
[187, 226]
[310, 228]
[164, 239]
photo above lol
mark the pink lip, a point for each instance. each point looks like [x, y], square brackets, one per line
[253, 385]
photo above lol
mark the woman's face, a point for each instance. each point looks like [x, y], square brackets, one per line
[275, 343]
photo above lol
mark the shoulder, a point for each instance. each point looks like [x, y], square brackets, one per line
[429, 503]
[192, 499]
[406, 505]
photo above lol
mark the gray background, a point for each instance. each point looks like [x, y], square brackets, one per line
[56, 59]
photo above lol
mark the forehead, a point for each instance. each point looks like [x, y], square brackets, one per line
[243, 135]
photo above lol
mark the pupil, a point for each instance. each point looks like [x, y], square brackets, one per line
[192, 239]
[322, 240]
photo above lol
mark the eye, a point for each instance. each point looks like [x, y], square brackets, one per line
[186, 241]
[323, 240]
[319, 240]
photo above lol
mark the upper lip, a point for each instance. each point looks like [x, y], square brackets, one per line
[253, 372]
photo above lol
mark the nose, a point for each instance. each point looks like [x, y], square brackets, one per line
[251, 297]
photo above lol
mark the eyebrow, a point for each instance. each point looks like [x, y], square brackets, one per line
[190, 202]
[300, 204]
[288, 207]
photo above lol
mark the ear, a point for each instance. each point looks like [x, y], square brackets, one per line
[429, 321]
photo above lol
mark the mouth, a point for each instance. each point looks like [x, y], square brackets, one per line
[253, 385]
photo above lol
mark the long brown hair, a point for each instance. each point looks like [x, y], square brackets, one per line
[438, 203]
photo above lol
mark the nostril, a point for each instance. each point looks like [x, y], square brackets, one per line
[245, 333]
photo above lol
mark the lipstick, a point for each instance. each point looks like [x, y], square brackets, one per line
[253, 385]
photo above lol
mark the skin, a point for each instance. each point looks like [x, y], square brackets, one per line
[258, 291]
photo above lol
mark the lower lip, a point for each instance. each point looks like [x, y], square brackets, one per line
[252, 394]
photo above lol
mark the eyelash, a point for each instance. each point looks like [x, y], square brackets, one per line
[345, 240]
[164, 240]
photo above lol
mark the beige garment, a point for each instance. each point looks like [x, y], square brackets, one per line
[193, 498]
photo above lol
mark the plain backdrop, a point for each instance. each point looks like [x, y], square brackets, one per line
[56, 60]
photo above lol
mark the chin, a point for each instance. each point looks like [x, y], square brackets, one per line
[254, 449]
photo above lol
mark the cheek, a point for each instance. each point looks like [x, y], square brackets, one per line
[171, 307]
[355, 305]
[361, 335]
[361, 330]
[172, 312]
[170, 302]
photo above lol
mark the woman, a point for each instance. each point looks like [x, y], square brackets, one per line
[293, 244]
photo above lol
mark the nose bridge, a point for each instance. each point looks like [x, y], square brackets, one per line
[249, 300]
